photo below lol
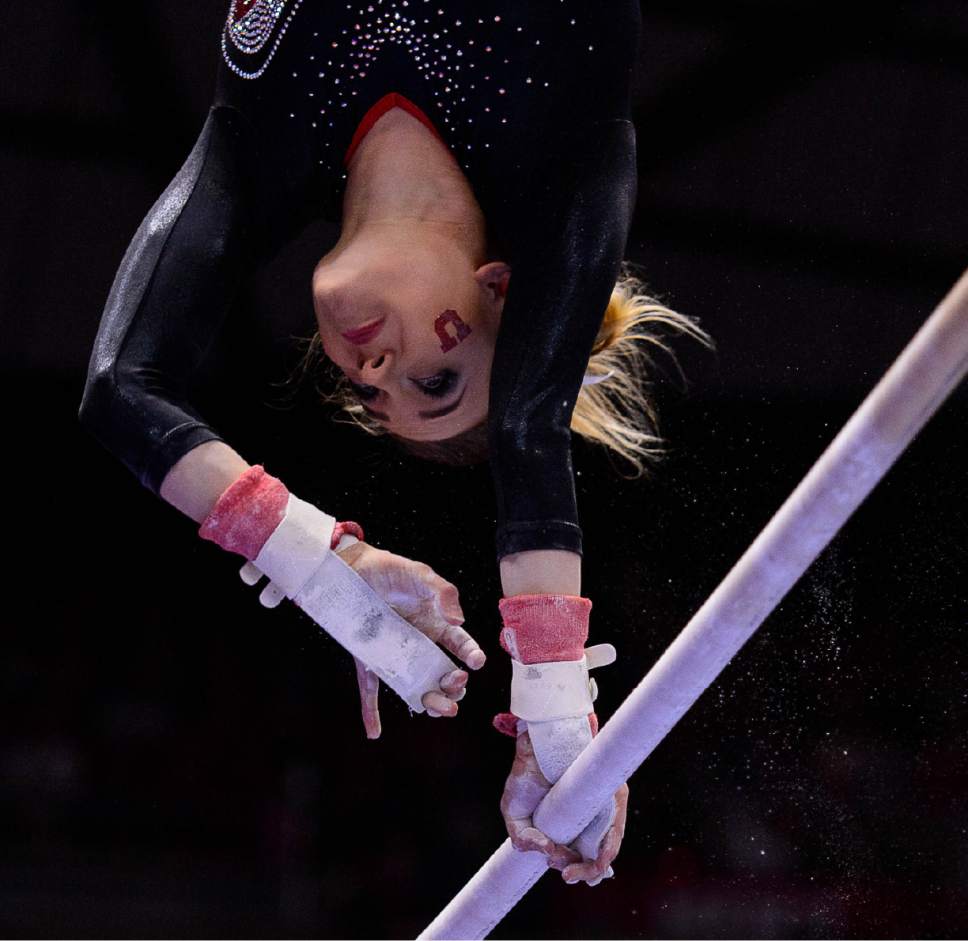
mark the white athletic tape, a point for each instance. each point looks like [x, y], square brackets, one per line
[300, 566]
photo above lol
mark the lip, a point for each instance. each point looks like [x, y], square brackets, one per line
[364, 334]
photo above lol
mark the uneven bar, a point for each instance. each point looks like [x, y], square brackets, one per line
[928, 370]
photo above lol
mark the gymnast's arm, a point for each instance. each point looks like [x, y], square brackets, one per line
[169, 299]
[569, 251]
[578, 215]
[176, 282]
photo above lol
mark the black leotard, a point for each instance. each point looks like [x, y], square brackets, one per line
[533, 101]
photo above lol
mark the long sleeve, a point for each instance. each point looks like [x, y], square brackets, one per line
[568, 251]
[169, 298]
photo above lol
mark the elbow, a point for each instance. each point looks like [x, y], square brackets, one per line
[106, 413]
[100, 392]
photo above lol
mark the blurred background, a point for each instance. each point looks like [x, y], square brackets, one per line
[177, 761]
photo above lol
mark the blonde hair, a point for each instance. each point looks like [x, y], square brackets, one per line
[617, 412]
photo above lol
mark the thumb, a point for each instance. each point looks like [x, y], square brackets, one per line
[447, 600]
[440, 599]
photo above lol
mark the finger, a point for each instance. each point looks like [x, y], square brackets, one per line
[562, 857]
[462, 645]
[448, 616]
[525, 837]
[621, 808]
[453, 684]
[593, 871]
[583, 872]
[605, 875]
[437, 704]
[369, 684]
[445, 606]
[610, 844]
[610, 847]
[448, 600]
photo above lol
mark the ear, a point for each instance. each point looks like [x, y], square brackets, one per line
[493, 278]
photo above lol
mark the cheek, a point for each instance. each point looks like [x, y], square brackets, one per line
[335, 355]
[450, 330]
[329, 347]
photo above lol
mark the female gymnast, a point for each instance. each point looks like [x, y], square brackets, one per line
[455, 142]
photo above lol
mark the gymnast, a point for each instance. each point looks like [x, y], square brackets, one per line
[454, 143]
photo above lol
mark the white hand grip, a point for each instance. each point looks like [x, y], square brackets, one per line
[297, 545]
[601, 655]
[355, 616]
[544, 692]
[271, 595]
[249, 573]
[301, 566]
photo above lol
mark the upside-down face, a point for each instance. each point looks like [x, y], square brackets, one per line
[412, 324]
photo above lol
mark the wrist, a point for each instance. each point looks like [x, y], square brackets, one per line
[246, 513]
[543, 628]
[250, 510]
[541, 570]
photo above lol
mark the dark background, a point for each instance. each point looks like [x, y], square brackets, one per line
[177, 761]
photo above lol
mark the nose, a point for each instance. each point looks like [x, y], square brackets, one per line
[374, 364]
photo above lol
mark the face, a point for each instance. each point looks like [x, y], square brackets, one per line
[423, 369]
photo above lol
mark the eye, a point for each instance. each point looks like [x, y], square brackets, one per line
[438, 386]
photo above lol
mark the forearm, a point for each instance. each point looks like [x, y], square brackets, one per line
[200, 477]
[567, 259]
[170, 296]
[540, 572]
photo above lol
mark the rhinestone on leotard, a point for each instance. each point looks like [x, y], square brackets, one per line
[452, 52]
[250, 25]
[441, 48]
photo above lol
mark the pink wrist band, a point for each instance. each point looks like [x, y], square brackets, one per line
[543, 629]
[248, 512]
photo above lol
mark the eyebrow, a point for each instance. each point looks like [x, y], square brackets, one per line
[436, 413]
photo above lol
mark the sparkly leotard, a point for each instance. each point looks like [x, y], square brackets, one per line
[532, 99]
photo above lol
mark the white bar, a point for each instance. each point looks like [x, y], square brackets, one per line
[928, 370]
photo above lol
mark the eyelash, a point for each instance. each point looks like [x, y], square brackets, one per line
[447, 379]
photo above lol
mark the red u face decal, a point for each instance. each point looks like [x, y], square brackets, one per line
[462, 331]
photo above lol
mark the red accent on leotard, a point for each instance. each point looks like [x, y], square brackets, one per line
[392, 100]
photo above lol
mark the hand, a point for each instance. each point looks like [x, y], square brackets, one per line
[524, 789]
[431, 604]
